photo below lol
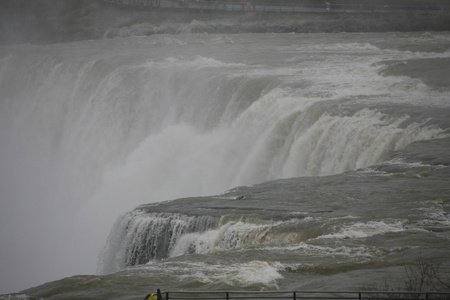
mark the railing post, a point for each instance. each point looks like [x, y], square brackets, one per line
[294, 296]
[167, 295]
[359, 295]
[227, 296]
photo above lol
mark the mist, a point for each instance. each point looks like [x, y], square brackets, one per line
[39, 205]
[78, 149]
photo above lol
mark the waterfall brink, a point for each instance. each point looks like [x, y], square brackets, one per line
[121, 125]
[142, 236]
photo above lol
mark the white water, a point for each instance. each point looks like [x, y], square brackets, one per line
[89, 133]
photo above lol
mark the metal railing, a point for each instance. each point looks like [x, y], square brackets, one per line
[311, 295]
[423, 7]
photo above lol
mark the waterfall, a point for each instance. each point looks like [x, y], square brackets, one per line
[87, 135]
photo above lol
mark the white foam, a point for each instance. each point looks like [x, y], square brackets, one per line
[196, 63]
[256, 272]
[243, 274]
[364, 230]
[230, 236]
[352, 253]
[435, 212]
[15, 297]
[350, 47]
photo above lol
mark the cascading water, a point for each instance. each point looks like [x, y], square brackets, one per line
[92, 129]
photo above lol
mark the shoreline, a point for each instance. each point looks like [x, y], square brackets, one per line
[96, 20]
[276, 22]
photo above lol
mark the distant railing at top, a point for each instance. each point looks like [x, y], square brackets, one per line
[310, 295]
[361, 6]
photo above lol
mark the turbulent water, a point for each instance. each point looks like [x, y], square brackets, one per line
[301, 161]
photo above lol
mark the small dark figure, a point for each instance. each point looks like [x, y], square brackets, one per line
[158, 294]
